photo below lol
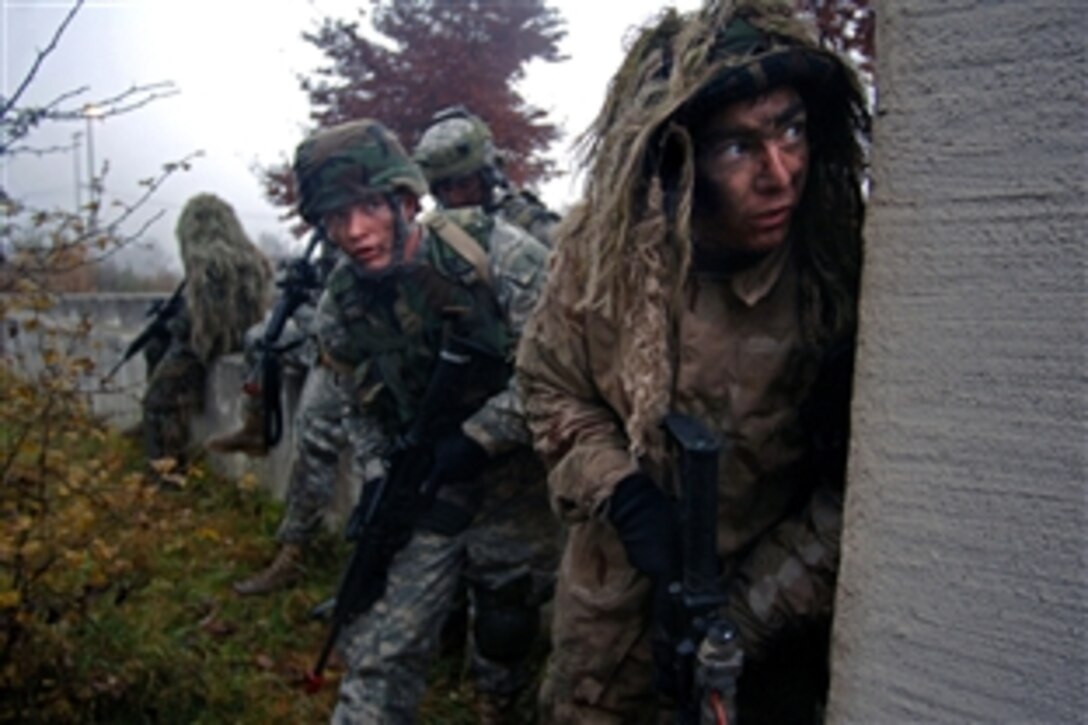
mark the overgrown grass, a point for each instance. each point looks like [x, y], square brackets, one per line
[170, 642]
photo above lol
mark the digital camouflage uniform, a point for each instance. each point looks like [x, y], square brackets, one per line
[509, 544]
[320, 430]
[523, 209]
[459, 144]
[380, 335]
[739, 349]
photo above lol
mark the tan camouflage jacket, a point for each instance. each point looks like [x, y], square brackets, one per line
[740, 366]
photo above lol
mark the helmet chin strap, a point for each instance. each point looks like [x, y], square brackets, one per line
[400, 227]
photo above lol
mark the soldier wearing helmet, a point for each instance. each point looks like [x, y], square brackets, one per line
[463, 168]
[711, 270]
[403, 286]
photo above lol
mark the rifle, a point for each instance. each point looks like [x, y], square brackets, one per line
[160, 312]
[298, 280]
[705, 654]
[382, 521]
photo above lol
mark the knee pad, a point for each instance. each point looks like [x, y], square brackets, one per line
[507, 619]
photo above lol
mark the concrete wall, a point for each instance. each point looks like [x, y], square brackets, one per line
[115, 320]
[964, 586]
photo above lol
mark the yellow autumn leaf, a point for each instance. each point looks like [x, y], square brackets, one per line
[248, 481]
[209, 534]
[163, 465]
[56, 458]
[174, 479]
[10, 599]
[103, 550]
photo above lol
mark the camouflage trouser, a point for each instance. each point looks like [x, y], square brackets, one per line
[325, 424]
[175, 393]
[389, 648]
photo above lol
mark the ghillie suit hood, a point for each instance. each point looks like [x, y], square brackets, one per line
[629, 240]
[229, 280]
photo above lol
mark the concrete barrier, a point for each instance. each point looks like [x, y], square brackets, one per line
[223, 413]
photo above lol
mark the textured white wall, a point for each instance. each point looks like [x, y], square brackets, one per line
[963, 594]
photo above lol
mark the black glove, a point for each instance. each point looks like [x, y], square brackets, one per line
[456, 458]
[645, 518]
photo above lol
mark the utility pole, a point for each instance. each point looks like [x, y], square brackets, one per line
[90, 113]
[78, 174]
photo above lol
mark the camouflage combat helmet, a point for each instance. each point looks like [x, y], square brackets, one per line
[336, 166]
[457, 143]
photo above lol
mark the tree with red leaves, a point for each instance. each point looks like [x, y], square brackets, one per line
[418, 56]
[847, 27]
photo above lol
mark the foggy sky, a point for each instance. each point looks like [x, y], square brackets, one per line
[235, 63]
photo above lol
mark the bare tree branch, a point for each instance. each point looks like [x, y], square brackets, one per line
[9, 103]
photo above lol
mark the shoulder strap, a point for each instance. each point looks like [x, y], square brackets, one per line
[462, 242]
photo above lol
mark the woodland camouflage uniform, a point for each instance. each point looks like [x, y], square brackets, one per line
[632, 326]
[380, 334]
[227, 290]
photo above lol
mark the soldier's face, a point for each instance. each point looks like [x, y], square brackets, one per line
[461, 191]
[365, 231]
[751, 164]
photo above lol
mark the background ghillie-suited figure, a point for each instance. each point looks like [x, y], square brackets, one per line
[711, 269]
[227, 290]
[463, 167]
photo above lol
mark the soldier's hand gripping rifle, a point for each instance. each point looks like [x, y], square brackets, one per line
[705, 655]
[159, 313]
[382, 522]
[297, 283]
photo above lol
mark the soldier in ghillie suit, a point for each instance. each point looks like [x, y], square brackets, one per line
[227, 290]
[463, 168]
[404, 288]
[711, 269]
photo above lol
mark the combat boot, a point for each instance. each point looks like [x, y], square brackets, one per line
[249, 439]
[284, 571]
